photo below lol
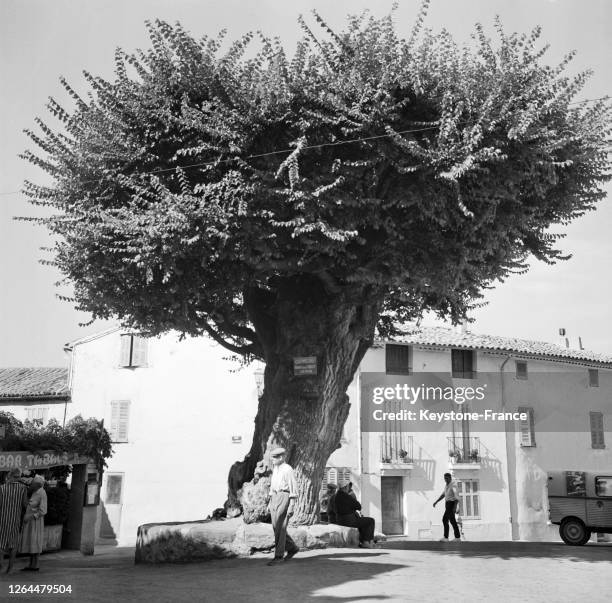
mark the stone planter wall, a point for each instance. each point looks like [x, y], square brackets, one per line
[203, 540]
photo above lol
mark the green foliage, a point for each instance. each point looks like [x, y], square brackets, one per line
[58, 505]
[199, 181]
[85, 437]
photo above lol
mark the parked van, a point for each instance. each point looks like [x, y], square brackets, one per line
[580, 502]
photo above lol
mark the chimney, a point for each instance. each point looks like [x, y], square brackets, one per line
[580, 347]
[563, 340]
[460, 328]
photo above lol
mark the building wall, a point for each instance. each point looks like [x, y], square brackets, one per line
[185, 407]
[511, 478]
[562, 399]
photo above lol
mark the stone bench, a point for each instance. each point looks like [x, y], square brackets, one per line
[204, 540]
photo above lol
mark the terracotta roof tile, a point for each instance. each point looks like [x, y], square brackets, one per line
[34, 383]
[446, 337]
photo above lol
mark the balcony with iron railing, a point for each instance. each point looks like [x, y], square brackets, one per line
[395, 452]
[464, 452]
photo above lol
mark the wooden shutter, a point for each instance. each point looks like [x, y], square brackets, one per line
[139, 351]
[125, 358]
[344, 475]
[527, 427]
[120, 414]
[597, 429]
[593, 378]
[398, 359]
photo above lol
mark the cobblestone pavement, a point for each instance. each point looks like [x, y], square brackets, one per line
[400, 571]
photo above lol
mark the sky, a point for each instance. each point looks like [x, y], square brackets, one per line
[42, 40]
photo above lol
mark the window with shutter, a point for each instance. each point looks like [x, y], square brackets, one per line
[463, 364]
[527, 427]
[126, 350]
[37, 414]
[597, 430]
[469, 501]
[521, 369]
[593, 378]
[134, 351]
[340, 476]
[398, 359]
[139, 351]
[120, 414]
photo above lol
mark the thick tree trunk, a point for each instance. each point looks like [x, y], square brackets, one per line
[305, 414]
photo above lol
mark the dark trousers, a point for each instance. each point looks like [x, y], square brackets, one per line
[279, 505]
[449, 515]
[365, 525]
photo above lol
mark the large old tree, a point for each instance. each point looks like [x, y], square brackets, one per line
[288, 207]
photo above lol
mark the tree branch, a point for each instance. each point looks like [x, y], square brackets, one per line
[252, 348]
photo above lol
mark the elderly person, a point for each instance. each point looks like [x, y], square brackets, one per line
[33, 524]
[348, 514]
[13, 500]
[283, 494]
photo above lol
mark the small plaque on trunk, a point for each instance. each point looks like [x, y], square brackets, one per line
[304, 365]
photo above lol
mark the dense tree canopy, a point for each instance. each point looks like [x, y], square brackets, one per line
[419, 167]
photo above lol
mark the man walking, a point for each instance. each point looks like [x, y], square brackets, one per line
[283, 494]
[13, 501]
[451, 500]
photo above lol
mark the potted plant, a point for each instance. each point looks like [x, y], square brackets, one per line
[404, 456]
[455, 456]
[474, 456]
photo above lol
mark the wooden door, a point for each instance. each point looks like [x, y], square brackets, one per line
[391, 494]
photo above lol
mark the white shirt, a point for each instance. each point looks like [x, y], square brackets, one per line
[283, 479]
[450, 492]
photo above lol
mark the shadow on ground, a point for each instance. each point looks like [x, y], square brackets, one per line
[592, 552]
[114, 577]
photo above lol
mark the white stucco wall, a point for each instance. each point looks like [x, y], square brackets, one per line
[512, 480]
[186, 405]
[560, 396]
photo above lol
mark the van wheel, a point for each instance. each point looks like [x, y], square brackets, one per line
[574, 532]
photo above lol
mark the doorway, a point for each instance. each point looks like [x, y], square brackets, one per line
[391, 494]
[111, 506]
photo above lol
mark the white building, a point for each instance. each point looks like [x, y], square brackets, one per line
[565, 396]
[179, 414]
[35, 394]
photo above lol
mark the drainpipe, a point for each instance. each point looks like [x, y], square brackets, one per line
[509, 451]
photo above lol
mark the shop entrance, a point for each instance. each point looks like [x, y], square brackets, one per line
[77, 530]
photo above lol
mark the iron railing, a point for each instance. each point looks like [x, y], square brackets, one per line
[464, 449]
[395, 447]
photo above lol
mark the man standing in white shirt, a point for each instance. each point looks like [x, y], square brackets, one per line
[451, 500]
[283, 495]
